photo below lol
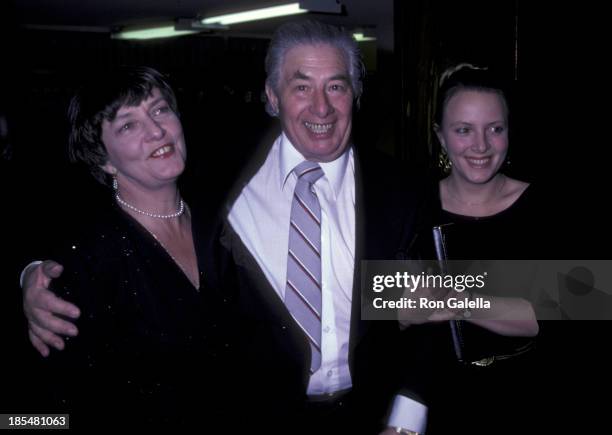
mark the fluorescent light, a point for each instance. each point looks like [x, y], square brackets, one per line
[152, 33]
[256, 14]
[360, 37]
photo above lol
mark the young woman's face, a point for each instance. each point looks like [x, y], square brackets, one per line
[474, 132]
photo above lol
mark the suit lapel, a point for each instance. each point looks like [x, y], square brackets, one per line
[358, 327]
[261, 295]
[276, 311]
[385, 210]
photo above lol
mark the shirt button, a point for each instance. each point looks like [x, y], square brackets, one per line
[326, 329]
[330, 373]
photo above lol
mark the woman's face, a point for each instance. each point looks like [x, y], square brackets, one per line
[474, 132]
[145, 144]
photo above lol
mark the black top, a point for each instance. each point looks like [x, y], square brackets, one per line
[507, 235]
[549, 389]
[151, 347]
[504, 390]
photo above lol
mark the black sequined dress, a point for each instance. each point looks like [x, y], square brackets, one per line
[151, 348]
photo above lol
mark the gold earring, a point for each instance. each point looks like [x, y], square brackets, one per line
[444, 163]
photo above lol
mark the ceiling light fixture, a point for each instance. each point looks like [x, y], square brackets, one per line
[187, 26]
[256, 14]
[165, 31]
[360, 37]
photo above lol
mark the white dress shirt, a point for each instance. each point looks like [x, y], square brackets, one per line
[260, 216]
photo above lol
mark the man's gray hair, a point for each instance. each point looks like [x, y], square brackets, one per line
[310, 32]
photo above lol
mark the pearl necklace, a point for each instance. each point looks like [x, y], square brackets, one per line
[153, 215]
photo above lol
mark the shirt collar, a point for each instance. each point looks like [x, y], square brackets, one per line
[290, 157]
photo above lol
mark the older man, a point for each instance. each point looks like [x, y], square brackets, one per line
[310, 208]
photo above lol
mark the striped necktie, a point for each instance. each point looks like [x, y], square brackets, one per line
[303, 291]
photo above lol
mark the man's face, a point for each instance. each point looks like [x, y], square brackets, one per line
[315, 101]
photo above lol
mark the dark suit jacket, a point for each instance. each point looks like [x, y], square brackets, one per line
[274, 355]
